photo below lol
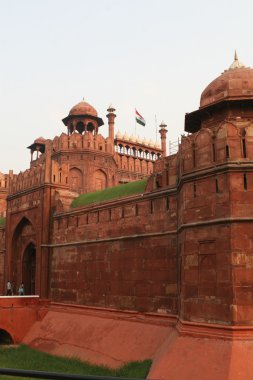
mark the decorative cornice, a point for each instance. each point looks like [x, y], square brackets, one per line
[98, 241]
[215, 331]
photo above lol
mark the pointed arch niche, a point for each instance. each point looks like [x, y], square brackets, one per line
[100, 180]
[23, 257]
[76, 180]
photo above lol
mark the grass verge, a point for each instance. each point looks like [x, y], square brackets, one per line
[2, 221]
[116, 192]
[23, 357]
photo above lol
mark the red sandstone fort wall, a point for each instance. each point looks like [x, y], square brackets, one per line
[3, 203]
[215, 242]
[2, 257]
[121, 255]
[180, 243]
[3, 193]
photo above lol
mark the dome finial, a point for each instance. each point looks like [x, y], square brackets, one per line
[236, 64]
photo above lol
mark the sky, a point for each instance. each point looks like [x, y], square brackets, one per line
[153, 55]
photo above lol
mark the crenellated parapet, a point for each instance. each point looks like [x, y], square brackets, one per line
[223, 142]
[33, 177]
[86, 141]
[4, 185]
[165, 173]
[3, 182]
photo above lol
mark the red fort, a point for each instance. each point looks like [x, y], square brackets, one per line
[166, 274]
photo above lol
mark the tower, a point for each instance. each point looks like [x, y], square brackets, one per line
[111, 116]
[214, 224]
[163, 132]
[215, 281]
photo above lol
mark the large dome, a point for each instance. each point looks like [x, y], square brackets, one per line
[233, 84]
[83, 108]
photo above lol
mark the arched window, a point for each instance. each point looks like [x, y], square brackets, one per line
[80, 127]
[71, 128]
[90, 127]
[120, 148]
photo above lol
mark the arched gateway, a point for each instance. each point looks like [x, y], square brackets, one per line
[5, 337]
[23, 257]
[29, 268]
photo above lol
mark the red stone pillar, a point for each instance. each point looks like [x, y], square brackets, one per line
[37, 151]
[163, 132]
[111, 116]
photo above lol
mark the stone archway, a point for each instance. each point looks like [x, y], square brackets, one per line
[5, 337]
[29, 269]
[23, 244]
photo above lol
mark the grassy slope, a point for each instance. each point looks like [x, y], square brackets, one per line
[2, 221]
[120, 191]
[25, 358]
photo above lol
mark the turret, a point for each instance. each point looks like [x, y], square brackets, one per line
[163, 132]
[111, 116]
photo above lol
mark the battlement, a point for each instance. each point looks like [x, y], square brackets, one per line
[86, 141]
[219, 143]
[33, 177]
[4, 184]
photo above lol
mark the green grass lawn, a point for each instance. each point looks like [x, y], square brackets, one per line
[23, 357]
[2, 221]
[120, 191]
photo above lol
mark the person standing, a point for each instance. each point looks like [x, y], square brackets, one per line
[8, 288]
[21, 289]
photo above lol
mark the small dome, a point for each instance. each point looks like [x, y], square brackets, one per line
[233, 84]
[83, 108]
[145, 141]
[138, 140]
[132, 138]
[158, 146]
[126, 137]
[40, 140]
[118, 135]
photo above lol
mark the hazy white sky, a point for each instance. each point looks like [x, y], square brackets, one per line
[155, 55]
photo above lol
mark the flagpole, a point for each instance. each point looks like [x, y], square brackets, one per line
[135, 122]
[156, 130]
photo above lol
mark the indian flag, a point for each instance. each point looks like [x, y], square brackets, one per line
[139, 118]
